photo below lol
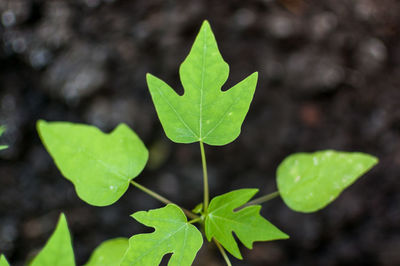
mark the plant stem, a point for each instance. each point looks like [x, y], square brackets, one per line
[223, 253]
[195, 220]
[162, 199]
[262, 199]
[205, 177]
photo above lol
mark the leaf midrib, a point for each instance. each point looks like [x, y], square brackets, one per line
[202, 83]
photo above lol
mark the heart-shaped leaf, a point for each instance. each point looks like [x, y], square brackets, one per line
[109, 252]
[99, 165]
[308, 182]
[58, 249]
[204, 112]
[247, 223]
[173, 234]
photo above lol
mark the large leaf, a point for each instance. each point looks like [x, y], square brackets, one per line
[3, 261]
[204, 112]
[2, 129]
[99, 165]
[247, 223]
[308, 182]
[109, 252]
[173, 234]
[58, 250]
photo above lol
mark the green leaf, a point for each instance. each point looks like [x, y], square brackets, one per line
[58, 250]
[99, 165]
[247, 223]
[109, 252]
[3, 261]
[308, 182]
[204, 112]
[173, 234]
[2, 129]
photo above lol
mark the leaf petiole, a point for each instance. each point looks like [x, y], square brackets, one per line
[223, 253]
[261, 200]
[205, 176]
[162, 199]
[199, 219]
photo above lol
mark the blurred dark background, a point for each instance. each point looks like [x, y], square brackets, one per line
[329, 78]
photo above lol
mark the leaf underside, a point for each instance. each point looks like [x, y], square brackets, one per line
[204, 112]
[173, 234]
[99, 165]
[109, 252]
[58, 249]
[307, 182]
[247, 224]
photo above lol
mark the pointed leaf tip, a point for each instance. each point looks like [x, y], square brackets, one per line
[3, 260]
[58, 249]
[204, 112]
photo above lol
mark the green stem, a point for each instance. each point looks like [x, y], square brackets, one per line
[223, 253]
[195, 220]
[205, 177]
[263, 199]
[162, 199]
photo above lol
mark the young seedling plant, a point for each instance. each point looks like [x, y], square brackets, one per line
[102, 166]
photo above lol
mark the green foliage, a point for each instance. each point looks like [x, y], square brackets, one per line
[109, 252]
[58, 250]
[246, 223]
[2, 129]
[99, 165]
[308, 182]
[3, 261]
[173, 234]
[204, 112]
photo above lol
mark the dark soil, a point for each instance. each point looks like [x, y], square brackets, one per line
[329, 78]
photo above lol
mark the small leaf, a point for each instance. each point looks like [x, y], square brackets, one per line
[204, 112]
[58, 249]
[99, 165]
[3, 261]
[308, 182]
[198, 208]
[173, 234]
[109, 252]
[247, 223]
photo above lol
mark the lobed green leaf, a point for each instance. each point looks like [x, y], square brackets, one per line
[109, 252]
[204, 112]
[173, 234]
[58, 249]
[99, 165]
[247, 223]
[307, 182]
